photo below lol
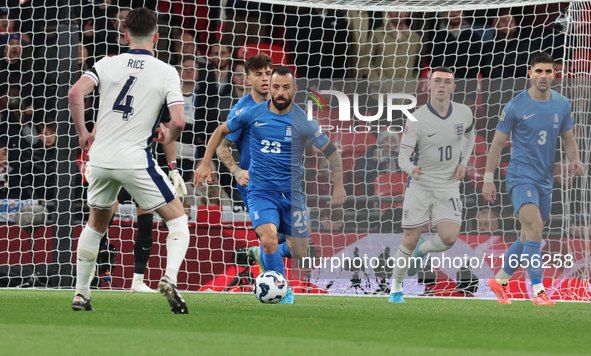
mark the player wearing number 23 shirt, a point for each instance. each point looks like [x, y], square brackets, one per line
[279, 131]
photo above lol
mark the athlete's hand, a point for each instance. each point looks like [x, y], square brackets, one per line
[178, 182]
[339, 196]
[163, 135]
[460, 172]
[202, 173]
[489, 192]
[417, 172]
[85, 140]
[241, 176]
[578, 168]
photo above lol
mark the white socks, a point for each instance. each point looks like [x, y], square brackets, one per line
[433, 245]
[538, 288]
[177, 243]
[399, 273]
[502, 277]
[88, 248]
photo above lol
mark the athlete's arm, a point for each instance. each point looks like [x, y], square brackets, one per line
[339, 196]
[489, 190]
[407, 145]
[470, 139]
[225, 156]
[83, 87]
[167, 135]
[204, 171]
[572, 151]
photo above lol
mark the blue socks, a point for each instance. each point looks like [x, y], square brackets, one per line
[284, 250]
[273, 262]
[532, 252]
[513, 254]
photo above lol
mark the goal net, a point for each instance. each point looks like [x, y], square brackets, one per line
[362, 67]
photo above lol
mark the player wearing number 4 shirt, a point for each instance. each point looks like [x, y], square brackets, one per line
[278, 135]
[535, 118]
[442, 139]
[133, 87]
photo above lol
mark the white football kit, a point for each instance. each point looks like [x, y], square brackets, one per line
[439, 145]
[133, 88]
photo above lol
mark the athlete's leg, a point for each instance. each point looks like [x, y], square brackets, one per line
[446, 236]
[142, 250]
[102, 196]
[177, 241]
[270, 239]
[402, 261]
[143, 241]
[88, 248]
[533, 225]
[297, 247]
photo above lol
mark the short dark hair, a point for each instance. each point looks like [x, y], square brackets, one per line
[541, 57]
[260, 61]
[442, 70]
[141, 22]
[283, 71]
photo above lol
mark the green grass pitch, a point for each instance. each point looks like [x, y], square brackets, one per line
[37, 322]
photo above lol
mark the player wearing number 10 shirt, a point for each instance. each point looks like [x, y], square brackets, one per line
[279, 131]
[442, 139]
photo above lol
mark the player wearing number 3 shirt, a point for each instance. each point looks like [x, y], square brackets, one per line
[535, 118]
[442, 139]
[279, 131]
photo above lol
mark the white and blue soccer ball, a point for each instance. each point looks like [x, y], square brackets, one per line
[270, 287]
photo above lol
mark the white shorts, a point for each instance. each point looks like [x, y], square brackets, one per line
[149, 187]
[443, 206]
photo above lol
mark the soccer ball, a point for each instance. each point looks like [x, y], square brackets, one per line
[270, 287]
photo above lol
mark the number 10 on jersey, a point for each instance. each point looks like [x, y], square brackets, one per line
[124, 102]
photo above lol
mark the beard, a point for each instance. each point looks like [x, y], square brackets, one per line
[281, 106]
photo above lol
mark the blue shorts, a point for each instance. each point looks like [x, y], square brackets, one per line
[287, 211]
[530, 193]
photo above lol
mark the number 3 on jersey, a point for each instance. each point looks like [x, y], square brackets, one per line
[543, 135]
[123, 103]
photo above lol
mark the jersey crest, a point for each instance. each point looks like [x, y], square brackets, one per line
[459, 129]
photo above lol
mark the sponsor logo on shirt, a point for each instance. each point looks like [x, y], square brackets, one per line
[259, 124]
[527, 117]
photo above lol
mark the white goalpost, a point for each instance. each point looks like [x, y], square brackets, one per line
[362, 50]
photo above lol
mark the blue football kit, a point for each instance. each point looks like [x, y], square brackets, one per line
[535, 126]
[277, 144]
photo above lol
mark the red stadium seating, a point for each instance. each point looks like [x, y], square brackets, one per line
[277, 54]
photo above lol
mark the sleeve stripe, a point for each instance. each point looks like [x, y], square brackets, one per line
[92, 76]
[177, 102]
[411, 147]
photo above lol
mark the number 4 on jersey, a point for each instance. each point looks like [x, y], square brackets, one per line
[123, 102]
